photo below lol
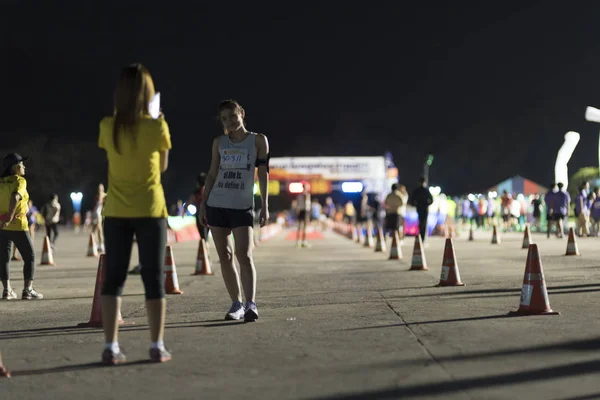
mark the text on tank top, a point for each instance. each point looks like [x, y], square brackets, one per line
[234, 186]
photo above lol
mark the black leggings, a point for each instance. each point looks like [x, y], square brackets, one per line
[423, 224]
[52, 232]
[22, 240]
[151, 236]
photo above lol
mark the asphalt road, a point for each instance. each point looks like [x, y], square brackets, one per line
[337, 321]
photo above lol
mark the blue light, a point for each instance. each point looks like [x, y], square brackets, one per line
[352, 187]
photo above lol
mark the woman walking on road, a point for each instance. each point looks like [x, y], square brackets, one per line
[97, 229]
[228, 204]
[14, 201]
[137, 147]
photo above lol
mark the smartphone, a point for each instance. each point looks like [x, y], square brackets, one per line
[154, 106]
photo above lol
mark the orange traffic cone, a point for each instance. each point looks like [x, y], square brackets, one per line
[450, 275]
[572, 249]
[92, 248]
[171, 281]
[96, 317]
[495, 236]
[16, 256]
[202, 261]
[380, 245]
[471, 236]
[395, 250]
[526, 238]
[418, 259]
[47, 258]
[534, 296]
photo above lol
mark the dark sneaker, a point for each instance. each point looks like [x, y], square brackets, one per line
[111, 358]
[31, 294]
[251, 314]
[159, 356]
[236, 312]
[8, 294]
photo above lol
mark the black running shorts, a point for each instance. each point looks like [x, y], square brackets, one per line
[229, 217]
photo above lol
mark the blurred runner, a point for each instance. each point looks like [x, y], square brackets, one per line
[392, 203]
[135, 205]
[51, 213]
[32, 215]
[228, 203]
[536, 203]
[403, 193]
[582, 210]
[303, 204]
[421, 199]
[562, 204]
[596, 212]
[196, 199]
[550, 200]
[97, 229]
[15, 228]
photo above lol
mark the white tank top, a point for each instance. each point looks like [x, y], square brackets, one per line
[234, 186]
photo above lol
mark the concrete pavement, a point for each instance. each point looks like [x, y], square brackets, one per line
[337, 321]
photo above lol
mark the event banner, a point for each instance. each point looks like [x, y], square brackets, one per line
[328, 168]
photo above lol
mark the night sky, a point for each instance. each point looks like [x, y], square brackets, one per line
[490, 90]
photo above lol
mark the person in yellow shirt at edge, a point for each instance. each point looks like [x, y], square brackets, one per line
[14, 226]
[137, 147]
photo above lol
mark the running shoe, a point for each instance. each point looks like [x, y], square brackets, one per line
[111, 358]
[4, 373]
[251, 314]
[236, 312]
[9, 294]
[160, 355]
[31, 294]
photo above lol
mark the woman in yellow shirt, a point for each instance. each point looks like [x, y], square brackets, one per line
[137, 147]
[14, 226]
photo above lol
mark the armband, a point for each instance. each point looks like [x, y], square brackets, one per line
[264, 161]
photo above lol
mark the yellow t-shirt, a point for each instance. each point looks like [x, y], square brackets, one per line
[134, 186]
[8, 186]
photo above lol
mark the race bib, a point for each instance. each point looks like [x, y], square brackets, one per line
[234, 159]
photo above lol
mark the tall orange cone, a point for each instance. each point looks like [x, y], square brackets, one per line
[450, 275]
[47, 257]
[96, 317]
[202, 261]
[534, 296]
[471, 235]
[572, 249]
[495, 236]
[380, 245]
[16, 256]
[418, 258]
[92, 248]
[526, 238]
[171, 281]
[395, 250]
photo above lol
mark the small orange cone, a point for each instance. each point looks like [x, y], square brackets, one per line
[418, 259]
[47, 258]
[92, 248]
[526, 238]
[495, 236]
[202, 261]
[534, 296]
[96, 317]
[450, 275]
[395, 250]
[171, 281]
[572, 249]
[380, 245]
[16, 256]
[471, 235]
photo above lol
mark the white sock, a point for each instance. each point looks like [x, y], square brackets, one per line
[114, 347]
[158, 345]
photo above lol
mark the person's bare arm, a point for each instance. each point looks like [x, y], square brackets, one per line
[164, 160]
[12, 206]
[211, 177]
[262, 147]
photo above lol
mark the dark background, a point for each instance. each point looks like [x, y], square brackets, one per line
[489, 89]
